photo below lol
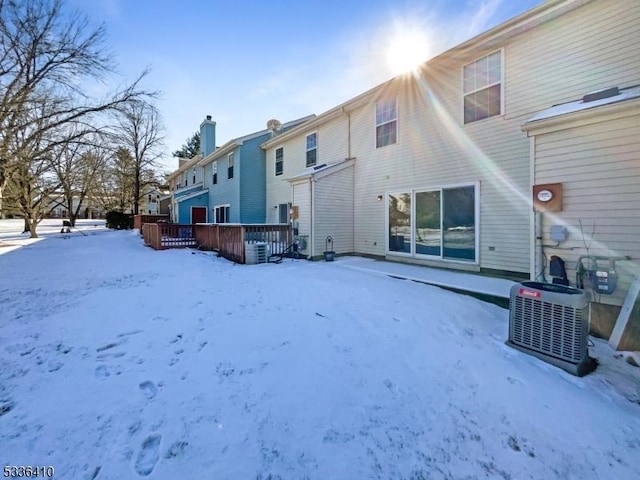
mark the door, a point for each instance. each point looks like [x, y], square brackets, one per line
[198, 214]
[283, 210]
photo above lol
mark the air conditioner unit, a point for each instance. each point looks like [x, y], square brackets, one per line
[256, 252]
[551, 322]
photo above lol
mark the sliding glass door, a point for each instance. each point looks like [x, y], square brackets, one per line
[399, 216]
[436, 223]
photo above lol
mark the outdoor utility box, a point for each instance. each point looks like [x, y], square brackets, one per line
[551, 322]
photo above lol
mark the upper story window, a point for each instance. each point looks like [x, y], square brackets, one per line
[482, 84]
[279, 160]
[386, 122]
[194, 175]
[186, 180]
[214, 166]
[312, 149]
[230, 164]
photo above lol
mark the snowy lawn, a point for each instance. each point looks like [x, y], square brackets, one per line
[120, 362]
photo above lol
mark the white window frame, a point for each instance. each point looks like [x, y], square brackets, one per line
[194, 175]
[275, 158]
[307, 149]
[215, 216]
[377, 125]
[231, 164]
[440, 258]
[214, 173]
[501, 83]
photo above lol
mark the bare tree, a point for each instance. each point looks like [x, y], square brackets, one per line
[46, 54]
[78, 166]
[139, 131]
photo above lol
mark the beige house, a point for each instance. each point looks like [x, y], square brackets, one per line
[441, 169]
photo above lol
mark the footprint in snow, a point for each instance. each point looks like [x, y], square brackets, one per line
[149, 389]
[54, 366]
[515, 381]
[102, 372]
[148, 455]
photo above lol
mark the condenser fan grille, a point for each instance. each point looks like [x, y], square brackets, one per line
[549, 328]
[551, 322]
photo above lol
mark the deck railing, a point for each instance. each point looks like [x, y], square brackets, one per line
[139, 220]
[230, 241]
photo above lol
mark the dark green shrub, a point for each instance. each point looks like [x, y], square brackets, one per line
[119, 220]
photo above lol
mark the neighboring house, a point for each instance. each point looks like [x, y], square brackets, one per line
[150, 201]
[234, 176]
[56, 207]
[441, 171]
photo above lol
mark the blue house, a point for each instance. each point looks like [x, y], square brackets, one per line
[189, 198]
[235, 175]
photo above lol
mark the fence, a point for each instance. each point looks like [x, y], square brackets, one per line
[230, 241]
[139, 220]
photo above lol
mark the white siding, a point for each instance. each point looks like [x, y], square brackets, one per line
[592, 47]
[599, 168]
[332, 147]
[334, 211]
[302, 199]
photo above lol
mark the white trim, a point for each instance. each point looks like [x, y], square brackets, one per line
[307, 150]
[191, 195]
[376, 125]
[223, 205]
[231, 155]
[532, 214]
[275, 161]
[475, 90]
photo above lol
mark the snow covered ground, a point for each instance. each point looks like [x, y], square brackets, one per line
[120, 362]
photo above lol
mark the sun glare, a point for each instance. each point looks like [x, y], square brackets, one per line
[406, 51]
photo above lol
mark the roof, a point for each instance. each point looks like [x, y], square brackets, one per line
[533, 17]
[625, 94]
[322, 170]
[232, 144]
[191, 195]
[190, 163]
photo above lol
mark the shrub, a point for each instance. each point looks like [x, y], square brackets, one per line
[119, 220]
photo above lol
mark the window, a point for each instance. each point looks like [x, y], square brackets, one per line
[482, 84]
[230, 164]
[186, 180]
[149, 198]
[194, 175]
[386, 122]
[221, 214]
[312, 149]
[214, 167]
[437, 223]
[279, 160]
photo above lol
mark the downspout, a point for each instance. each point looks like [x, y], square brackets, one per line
[353, 183]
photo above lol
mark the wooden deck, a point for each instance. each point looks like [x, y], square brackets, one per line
[230, 241]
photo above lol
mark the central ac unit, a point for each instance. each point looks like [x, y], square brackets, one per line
[256, 253]
[551, 322]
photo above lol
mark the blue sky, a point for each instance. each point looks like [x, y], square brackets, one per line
[245, 62]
